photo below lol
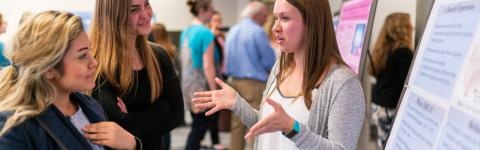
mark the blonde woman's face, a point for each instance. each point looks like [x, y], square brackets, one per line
[140, 16]
[288, 27]
[78, 66]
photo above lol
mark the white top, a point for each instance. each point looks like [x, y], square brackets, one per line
[79, 120]
[295, 108]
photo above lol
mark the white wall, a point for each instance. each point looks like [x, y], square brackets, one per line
[12, 10]
[173, 13]
[176, 15]
[335, 5]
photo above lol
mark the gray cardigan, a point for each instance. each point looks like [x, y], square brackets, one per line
[336, 114]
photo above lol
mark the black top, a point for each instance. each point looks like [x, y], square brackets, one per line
[146, 120]
[391, 79]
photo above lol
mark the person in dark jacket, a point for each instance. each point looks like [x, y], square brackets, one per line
[40, 104]
[136, 80]
[392, 55]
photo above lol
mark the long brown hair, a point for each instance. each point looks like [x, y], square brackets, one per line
[110, 48]
[39, 45]
[160, 35]
[319, 42]
[396, 33]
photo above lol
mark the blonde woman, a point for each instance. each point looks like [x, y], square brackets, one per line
[136, 81]
[392, 55]
[40, 104]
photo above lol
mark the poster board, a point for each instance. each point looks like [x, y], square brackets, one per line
[354, 30]
[440, 105]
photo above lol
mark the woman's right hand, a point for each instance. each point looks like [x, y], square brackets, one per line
[216, 99]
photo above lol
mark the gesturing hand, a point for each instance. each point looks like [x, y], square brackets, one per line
[216, 99]
[109, 134]
[279, 120]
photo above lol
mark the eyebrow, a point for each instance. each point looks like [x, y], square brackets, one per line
[136, 6]
[82, 49]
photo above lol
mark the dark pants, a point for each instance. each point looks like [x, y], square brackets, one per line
[200, 125]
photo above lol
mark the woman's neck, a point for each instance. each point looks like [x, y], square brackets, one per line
[64, 104]
[137, 61]
[299, 58]
[198, 21]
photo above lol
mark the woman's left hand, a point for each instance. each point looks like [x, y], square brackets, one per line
[109, 134]
[279, 120]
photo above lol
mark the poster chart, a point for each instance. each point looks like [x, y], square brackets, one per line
[352, 29]
[440, 107]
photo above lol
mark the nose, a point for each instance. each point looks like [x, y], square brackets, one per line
[146, 13]
[276, 27]
[93, 63]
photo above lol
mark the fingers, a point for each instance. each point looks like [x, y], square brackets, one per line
[102, 142]
[205, 105]
[212, 111]
[202, 99]
[259, 125]
[203, 94]
[96, 136]
[251, 134]
[221, 83]
[101, 127]
[275, 105]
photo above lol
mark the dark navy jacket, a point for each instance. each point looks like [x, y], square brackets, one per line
[30, 135]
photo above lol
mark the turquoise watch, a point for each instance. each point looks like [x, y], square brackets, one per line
[295, 130]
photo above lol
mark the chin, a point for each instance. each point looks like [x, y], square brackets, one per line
[144, 31]
[286, 50]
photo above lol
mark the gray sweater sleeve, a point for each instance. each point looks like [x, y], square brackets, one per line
[345, 120]
[247, 114]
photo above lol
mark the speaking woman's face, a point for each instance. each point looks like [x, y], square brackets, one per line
[288, 27]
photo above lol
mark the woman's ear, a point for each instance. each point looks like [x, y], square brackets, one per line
[50, 74]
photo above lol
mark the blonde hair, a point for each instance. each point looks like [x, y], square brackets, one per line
[396, 33]
[38, 46]
[160, 34]
[110, 48]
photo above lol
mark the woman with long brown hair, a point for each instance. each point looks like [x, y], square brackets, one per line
[392, 55]
[312, 99]
[136, 81]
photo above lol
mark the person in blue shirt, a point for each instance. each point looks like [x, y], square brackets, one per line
[3, 60]
[249, 59]
[198, 60]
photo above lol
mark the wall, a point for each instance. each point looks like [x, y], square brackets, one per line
[423, 11]
[173, 13]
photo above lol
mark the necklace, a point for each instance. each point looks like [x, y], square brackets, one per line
[67, 109]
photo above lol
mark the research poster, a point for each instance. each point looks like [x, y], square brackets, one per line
[351, 31]
[440, 107]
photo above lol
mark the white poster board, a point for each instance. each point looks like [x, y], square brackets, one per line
[440, 107]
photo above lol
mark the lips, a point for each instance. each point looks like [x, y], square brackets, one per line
[143, 23]
[280, 39]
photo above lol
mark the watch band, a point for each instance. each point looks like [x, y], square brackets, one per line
[294, 131]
